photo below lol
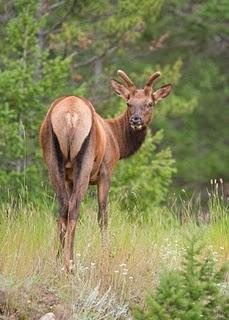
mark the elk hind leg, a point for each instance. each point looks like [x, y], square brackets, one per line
[81, 175]
[57, 177]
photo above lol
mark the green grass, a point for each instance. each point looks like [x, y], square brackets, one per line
[102, 287]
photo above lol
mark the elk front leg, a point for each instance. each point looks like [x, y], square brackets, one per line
[103, 190]
[62, 228]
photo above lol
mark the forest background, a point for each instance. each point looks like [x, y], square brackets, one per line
[55, 48]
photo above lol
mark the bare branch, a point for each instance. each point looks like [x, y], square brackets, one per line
[59, 23]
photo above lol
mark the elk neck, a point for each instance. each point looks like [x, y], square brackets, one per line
[129, 140]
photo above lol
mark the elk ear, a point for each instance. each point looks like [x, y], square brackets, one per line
[120, 89]
[162, 92]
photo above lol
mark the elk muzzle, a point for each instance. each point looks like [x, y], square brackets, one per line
[136, 122]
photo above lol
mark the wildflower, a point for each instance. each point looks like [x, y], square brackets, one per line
[122, 265]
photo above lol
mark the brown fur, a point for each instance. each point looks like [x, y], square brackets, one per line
[81, 148]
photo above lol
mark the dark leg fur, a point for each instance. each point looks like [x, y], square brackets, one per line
[56, 172]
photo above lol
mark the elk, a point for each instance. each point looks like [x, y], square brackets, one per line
[81, 148]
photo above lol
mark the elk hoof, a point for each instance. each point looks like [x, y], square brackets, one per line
[71, 266]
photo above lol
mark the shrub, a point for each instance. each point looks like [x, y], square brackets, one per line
[194, 292]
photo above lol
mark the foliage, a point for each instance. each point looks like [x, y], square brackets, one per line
[198, 34]
[196, 291]
[28, 78]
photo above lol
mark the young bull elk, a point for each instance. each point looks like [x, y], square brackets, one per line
[81, 148]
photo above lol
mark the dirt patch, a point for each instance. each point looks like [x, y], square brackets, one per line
[32, 306]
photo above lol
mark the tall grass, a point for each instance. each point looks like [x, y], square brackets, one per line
[102, 287]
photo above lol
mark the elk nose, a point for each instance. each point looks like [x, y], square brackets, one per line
[136, 119]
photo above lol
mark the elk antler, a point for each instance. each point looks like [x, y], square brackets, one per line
[149, 83]
[152, 78]
[125, 77]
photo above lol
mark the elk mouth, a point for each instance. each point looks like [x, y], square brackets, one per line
[137, 127]
[136, 122]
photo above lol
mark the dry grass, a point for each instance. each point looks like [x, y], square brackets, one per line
[103, 287]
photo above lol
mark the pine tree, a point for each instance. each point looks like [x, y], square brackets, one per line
[192, 293]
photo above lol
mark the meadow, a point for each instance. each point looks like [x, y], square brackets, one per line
[104, 285]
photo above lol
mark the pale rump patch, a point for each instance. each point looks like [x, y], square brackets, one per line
[71, 120]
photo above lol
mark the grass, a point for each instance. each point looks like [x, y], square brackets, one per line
[102, 287]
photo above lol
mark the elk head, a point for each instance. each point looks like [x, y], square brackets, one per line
[140, 102]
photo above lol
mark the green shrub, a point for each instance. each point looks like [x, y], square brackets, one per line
[194, 292]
